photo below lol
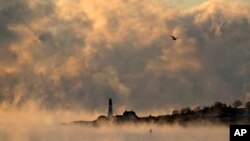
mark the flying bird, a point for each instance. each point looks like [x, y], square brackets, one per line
[173, 37]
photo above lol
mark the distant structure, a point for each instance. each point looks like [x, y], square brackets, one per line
[110, 111]
[150, 131]
[130, 115]
[173, 37]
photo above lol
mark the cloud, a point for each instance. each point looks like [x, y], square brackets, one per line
[78, 54]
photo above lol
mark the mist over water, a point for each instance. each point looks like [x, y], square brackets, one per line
[117, 133]
[31, 123]
[159, 133]
[69, 57]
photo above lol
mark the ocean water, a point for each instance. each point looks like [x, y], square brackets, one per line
[32, 123]
[116, 133]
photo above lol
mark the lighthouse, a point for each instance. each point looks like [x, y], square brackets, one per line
[110, 111]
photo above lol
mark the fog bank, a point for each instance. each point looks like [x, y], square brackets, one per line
[31, 123]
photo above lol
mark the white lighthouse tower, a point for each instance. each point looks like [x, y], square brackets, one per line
[110, 111]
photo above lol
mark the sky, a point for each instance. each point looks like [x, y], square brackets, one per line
[75, 55]
[183, 4]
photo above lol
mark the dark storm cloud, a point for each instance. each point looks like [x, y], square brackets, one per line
[77, 55]
[220, 48]
[15, 12]
[11, 12]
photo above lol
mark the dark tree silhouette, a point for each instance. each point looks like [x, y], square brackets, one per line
[237, 104]
[185, 110]
[175, 112]
[247, 105]
[219, 105]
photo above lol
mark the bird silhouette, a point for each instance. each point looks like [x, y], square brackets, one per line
[173, 37]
